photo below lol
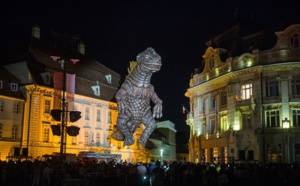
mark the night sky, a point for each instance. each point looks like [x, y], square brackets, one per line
[114, 33]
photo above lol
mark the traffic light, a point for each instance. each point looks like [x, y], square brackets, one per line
[75, 116]
[55, 130]
[56, 114]
[73, 130]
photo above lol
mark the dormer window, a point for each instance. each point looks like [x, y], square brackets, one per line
[14, 87]
[108, 78]
[295, 41]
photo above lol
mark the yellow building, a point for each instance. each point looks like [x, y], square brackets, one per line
[11, 114]
[245, 102]
[27, 127]
[30, 89]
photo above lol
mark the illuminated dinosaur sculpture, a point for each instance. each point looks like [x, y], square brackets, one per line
[134, 97]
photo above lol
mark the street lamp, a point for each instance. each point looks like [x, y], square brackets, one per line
[162, 154]
[285, 123]
[286, 127]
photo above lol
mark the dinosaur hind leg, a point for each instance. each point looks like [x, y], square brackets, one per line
[150, 125]
[124, 126]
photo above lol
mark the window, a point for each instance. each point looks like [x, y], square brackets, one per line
[46, 134]
[224, 124]
[14, 133]
[47, 106]
[212, 102]
[203, 104]
[223, 98]
[247, 121]
[295, 41]
[212, 125]
[14, 87]
[295, 86]
[98, 139]
[1, 84]
[74, 140]
[272, 88]
[87, 113]
[1, 106]
[86, 138]
[108, 78]
[16, 108]
[273, 118]
[296, 118]
[212, 62]
[98, 116]
[246, 91]
[109, 117]
[1, 129]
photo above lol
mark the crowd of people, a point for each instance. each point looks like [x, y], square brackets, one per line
[154, 173]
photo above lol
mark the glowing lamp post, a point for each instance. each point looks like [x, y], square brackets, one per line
[285, 123]
[162, 154]
[286, 127]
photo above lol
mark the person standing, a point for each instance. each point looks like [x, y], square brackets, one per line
[37, 172]
[46, 175]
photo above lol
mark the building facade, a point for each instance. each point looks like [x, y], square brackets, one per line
[245, 102]
[164, 140]
[31, 84]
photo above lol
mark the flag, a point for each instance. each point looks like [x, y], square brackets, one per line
[184, 109]
[216, 112]
[58, 87]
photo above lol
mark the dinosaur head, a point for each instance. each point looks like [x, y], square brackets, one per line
[149, 60]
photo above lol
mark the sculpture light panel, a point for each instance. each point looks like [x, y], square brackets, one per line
[133, 99]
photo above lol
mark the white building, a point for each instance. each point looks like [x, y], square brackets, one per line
[245, 102]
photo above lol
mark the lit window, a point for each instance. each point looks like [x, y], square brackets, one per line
[272, 88]
[246, 91]
[273, 118]
[14, 132]
[212, 125]
[14, 87]
[296, 118]
[98, 116]
[47, 106]
[109, 117]
[86, 138]
[46, 134]
[74, 140]
[224, 124]
[87, 113]
[98, 139]
[16, 108]
[295, 41]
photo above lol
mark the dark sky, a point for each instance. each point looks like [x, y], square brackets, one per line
[114, 33]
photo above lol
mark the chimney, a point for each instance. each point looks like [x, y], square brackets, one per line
[36, 32]
[81, 48]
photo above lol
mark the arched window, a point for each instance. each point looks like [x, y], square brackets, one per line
[295, 41]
